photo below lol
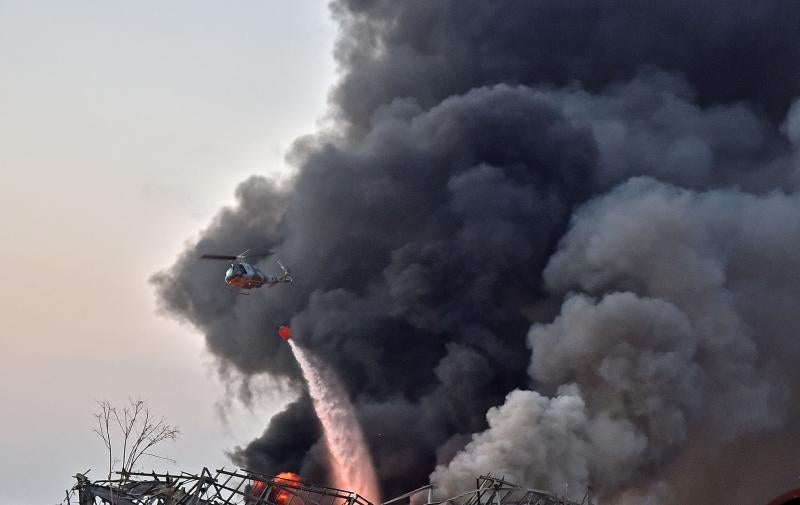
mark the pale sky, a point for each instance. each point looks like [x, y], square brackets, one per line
[124, 126]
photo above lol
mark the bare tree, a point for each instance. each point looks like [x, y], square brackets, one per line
[139, 432]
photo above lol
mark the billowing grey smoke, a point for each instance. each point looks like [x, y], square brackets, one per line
[682, 292]
[485, 171]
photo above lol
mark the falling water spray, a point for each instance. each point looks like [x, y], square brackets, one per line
[351, 463]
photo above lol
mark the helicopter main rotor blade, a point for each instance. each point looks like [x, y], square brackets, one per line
[256, 255]
[217, 257]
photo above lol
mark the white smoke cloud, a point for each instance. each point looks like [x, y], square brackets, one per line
[531, 438]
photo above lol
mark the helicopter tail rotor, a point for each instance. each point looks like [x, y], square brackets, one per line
[287, 276]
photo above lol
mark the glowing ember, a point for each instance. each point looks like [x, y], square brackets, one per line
[257, 488]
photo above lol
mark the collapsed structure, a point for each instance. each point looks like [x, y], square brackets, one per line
[250, 488]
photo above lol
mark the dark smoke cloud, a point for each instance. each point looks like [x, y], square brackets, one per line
[294, 431]
[475, 180]
[729, 51]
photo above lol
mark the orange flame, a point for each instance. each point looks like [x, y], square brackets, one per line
[278, 496]
[290, 478]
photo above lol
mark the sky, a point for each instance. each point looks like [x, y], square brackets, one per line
[124, 126]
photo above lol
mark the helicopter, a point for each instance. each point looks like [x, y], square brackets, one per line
[244, 275]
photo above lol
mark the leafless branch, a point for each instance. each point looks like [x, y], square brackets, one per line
[103, 429]
[138, 431]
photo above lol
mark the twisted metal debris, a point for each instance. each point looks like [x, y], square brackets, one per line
[222, 488]
[243, 487]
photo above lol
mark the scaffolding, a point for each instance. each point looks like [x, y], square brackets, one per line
[243, 487]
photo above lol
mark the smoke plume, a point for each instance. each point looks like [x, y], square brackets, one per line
[551, 240]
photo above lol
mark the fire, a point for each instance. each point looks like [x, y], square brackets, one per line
[290, 478]
[278, 496]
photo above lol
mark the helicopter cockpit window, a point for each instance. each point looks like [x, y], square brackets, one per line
[239, 270]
